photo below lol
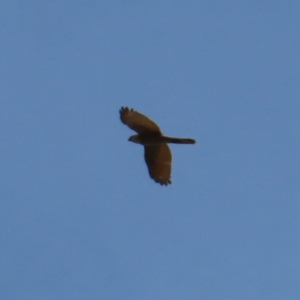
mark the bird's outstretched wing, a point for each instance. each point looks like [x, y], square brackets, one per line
[158, 159]
[138, 122]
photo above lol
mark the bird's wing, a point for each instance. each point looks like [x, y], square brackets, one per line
[158, 159]
[138, 122]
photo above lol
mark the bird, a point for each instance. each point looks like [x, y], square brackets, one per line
[157, 153]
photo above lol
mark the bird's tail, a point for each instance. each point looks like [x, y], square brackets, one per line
[178, 140]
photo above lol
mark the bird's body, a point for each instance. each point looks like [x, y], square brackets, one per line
[155, 139]
[157, 155]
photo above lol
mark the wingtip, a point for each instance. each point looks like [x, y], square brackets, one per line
[164, 183]
[125, 109]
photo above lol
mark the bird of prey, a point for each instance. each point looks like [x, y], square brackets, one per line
[157, 153]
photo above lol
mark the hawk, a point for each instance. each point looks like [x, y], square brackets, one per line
[157, 153]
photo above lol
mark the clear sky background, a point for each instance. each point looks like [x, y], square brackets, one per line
[79, 216]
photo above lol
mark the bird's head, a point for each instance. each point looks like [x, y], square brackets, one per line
[135, 139]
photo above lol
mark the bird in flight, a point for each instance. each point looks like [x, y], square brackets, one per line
[157, 153]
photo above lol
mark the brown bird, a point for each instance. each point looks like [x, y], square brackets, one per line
[158, 155]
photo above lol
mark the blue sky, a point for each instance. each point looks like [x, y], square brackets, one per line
[79, 216]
